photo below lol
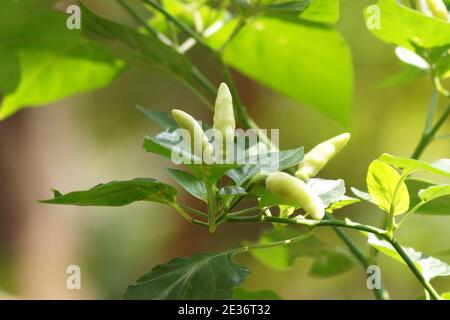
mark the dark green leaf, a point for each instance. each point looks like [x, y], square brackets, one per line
[231, 191]
[191, 184]
[140, 50]
[163, 119]
[328, 260]
[242, 294]
[199, 276]
[118, 193]
[286, 159]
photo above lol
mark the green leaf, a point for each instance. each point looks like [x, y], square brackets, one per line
[439, 167]
[362, 195]
[49, 63]
[341, 203]
[242, 294]
[430, 267]
[118, 193]
[310, 64]
[445, 295]
[167, 143]
[329, 191]
[231, 191]
[439, 206]
[409, 28]
[140, 50]
[382, 182]
[199, 277]
[322, 11]
[286, 159]
[189, 183]
[328, 260]
[274, 8]
[163, 119]
[434, 192]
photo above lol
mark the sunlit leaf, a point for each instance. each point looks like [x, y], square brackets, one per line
[439, 167]
[382, 181]
[408, 28]
[323, 11]
[49, 62]
[341, 203]
[310, 64]
[439, 206]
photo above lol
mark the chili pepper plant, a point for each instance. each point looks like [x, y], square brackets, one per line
[258, 38]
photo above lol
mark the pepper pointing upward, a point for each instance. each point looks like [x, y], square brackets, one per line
[320, 155]
[224, 113]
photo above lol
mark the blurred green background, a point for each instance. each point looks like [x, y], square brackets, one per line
[97, 137]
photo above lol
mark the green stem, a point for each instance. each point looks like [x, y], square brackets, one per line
[425, 283]
[133, 13]
[184, 214]
[195, 211]
[410, 213]
[391, 226]
[430, 130]
[181, 25]
[311, 223]
[276, 243]
[212, 205]
[350, 225]
[381, 293]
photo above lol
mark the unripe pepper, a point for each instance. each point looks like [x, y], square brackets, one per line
[289, 188]
[438, 9]
[224, 113]
[186, 121]
[319, 156]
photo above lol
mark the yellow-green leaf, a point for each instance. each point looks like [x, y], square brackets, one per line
[382, 182]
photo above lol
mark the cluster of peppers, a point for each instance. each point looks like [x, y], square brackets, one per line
[281, 184]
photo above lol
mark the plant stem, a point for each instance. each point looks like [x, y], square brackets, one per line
[351, 225]
[430, 130]
[181, 25]
[276, 243]
[381, 293]
[311, 223]
[391, 226]
[426, 284]
[195, 211]
[133, 13]
[187, 216]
